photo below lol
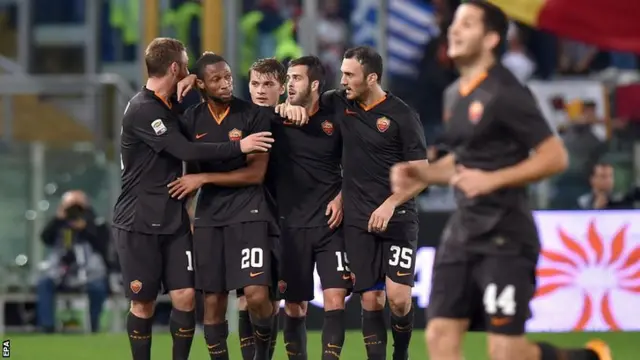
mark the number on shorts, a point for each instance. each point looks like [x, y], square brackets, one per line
[189, 260]
[252, 258]
[343, 265]
[401, 256]
[505, 301]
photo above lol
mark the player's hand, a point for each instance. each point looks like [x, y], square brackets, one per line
[380, 218]
[402, 177]
[474, 182]
[296, 114]
[334, 212]
[258, 142]
[185, 85]
[281, 109]
[185, 185]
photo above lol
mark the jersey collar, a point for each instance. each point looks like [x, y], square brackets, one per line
[166, 102]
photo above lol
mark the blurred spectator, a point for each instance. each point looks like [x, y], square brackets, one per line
[332, 34]
[78, 244]
[602, 196]
[291, 9]
[576, 57]
[584, 120]
[270, 22]
[516, 59]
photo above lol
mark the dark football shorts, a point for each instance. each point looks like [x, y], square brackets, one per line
[233, 256]
[151, 263]
[373, 257]
[493, 291]
[304, 249]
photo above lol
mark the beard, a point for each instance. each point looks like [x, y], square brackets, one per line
[216, 99]
[304, 97]
[360, 94]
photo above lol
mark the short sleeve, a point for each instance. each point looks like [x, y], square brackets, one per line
[522, 116]
[330, 99]
[157, 132]
[260, 122]
[414, 144]
[449, 99]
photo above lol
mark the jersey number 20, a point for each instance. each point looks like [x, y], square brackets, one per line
[252, 258]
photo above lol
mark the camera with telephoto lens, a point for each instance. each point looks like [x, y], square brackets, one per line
[75, 212]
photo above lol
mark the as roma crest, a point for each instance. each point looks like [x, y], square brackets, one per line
[383, 124]
[327, 127]
[475, 111]
[235, 135]
[135, 286]
[282, 286]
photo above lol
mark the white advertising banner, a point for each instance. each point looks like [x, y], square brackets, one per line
[588, 272]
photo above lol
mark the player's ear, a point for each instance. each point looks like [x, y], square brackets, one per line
[282, 90]
[200, 84]
[315, 84]
[491, 40]
[372, 79]
[175, 68]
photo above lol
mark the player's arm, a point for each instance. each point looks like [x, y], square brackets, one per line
[164, 135]
[525, 120]
[439, 172]
[252, 174]
[329, 98]
[299, 115]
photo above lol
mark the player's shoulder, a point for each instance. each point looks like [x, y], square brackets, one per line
[249, 113]
[340, 93]
[397, 108]
[503, 82]
[453, 88]
[241, 105]
[452, 91]
[195, 110]
[191, 115]
[142, 107]
[334, 97]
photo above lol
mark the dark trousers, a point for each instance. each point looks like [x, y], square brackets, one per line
[97, 292]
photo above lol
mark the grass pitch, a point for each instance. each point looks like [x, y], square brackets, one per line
[115, 346]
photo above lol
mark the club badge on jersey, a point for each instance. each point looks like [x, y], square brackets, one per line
[235, 135]
[383, 124]
[475, 111]
[158, 127]
[327, 127]
[135, 286]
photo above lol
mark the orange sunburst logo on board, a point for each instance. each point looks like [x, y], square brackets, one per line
[610, 268]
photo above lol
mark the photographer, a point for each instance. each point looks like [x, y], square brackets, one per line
[78, 243]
